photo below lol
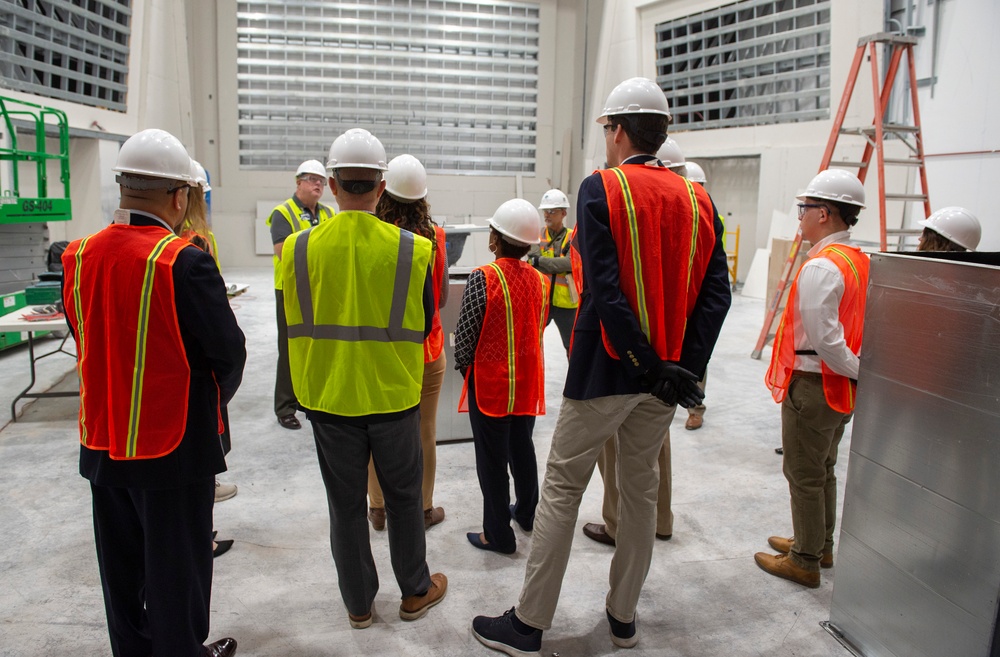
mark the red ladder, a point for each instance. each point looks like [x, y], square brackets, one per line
[874, 136]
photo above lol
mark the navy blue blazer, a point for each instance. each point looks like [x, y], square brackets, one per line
[592, 372]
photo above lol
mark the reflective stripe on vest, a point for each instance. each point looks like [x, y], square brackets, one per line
[127, 335]
[508, 365]
[838, 390]
[354, 305]
[561, 296]
[292, 213]
[661, 310]
[394, 332]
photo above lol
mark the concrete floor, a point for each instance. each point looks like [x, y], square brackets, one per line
[276, 590]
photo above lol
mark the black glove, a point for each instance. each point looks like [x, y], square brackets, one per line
[672, 384]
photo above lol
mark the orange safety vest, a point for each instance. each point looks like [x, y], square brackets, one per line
[134, 373]
[663, 230]
[838, 389]
[509, 362]
[434, 343]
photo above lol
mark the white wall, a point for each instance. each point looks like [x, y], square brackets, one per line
[960, 112]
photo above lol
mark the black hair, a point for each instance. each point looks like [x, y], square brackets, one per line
[647, 132]
[506, 249]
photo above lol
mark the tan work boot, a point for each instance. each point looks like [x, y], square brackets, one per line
[694, 422]
[415, 606]
[784, 545]
[782, 566]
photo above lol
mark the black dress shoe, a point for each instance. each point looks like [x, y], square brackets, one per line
[221, 547]
[478, 542]
[597, 532]
[222, 648]
[664, 537]
[289, 421]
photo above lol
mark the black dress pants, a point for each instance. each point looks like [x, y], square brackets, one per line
[154, 550]
[503, 441]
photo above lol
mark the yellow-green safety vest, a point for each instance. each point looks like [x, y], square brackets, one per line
[354, 307]
[292, 212]
[561, 297]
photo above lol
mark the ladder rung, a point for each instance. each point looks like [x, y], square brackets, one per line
[888, 127]
[849, 165]
[905, 197]
[905, 161]
[903, 231]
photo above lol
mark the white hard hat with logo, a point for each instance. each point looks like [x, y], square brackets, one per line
[154, 153]
[957, 224]
[552, 199]
[313, 167]
[835, 185]
[517, 220]
[670, 154]
[635, 96]
[694, 172]
[200, 176]
[356, 149]
[406, 178]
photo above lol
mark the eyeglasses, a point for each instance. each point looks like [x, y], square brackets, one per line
[313, 180]
[551, 211]
[805, 206]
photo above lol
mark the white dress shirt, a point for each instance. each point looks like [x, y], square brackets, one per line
[818, 327]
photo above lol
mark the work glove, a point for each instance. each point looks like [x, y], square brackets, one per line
[672, 384]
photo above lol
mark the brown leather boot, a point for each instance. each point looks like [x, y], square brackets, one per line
[782, 566]
[376, 516]
[784, 545]
[415, 606]
[433, 516]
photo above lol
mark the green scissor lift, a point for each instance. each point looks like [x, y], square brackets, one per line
[15, 208]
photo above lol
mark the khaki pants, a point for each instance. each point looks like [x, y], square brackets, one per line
[639, 423]
[810, 435]
[429, 394]
[607, 463]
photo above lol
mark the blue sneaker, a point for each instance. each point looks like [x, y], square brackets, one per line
[623, 635]
[502, 633]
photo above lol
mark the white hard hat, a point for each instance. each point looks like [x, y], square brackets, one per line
[154, 153]
[406, 178]
[356, 149]
[957, 224]
[694, 172]
[200, 176]
[314, 167]
[517, 219]
[670, 154]
[553, 199]
[835, 185]
[635, 96]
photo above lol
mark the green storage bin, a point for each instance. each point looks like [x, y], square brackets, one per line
[43, 293]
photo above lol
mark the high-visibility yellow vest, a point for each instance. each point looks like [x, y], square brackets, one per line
[561, 295]
[354, 306]
[292, 212]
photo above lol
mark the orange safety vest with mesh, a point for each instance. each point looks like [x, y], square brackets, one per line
[663, 230]
[509, 362]
[134, 373]
[434, 343]
[838, 389]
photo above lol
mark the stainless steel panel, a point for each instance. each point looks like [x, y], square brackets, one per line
[452, 425]
[917, 572]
